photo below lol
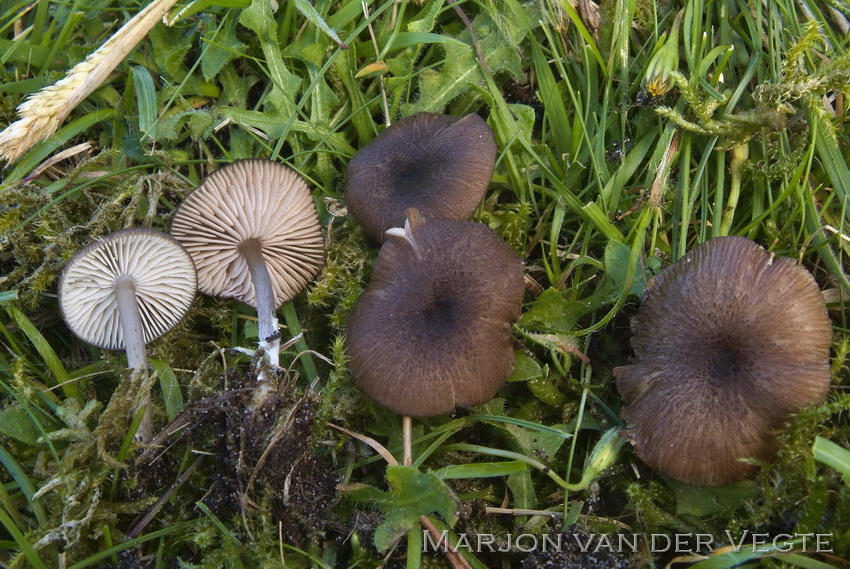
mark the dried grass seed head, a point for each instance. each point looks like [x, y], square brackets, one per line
[156, 265]
[251, 203]
[435, 163]
[728, 342]
[433, 328]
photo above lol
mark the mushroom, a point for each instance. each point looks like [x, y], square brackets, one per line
[729, 341]
[125, 290]
[435, 163]
[433, 328]
[253, 231]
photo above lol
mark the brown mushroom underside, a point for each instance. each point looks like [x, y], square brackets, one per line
[728, 342]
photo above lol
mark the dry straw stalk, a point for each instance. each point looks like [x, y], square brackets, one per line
[42, 113]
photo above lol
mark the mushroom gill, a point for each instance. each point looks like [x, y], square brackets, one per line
[729, 341]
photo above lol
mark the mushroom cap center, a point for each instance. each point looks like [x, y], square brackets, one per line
[413, 179]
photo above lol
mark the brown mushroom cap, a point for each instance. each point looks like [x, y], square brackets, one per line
[435, 163]
[161, 272]
[433, 329]
[728, 342]
[254, 201]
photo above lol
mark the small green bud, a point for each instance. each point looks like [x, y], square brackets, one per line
[603, 455]
[657, 79]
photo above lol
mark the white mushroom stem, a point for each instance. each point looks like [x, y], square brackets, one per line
[251, 250]
[407, 440]
[413, 221]
[134, 345]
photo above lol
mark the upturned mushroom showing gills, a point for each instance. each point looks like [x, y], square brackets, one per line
[729, 341]
[124, 291]
[433, 328]
[253, 231]
[435, 163]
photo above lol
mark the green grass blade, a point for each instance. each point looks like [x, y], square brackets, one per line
[20, 476]
[46, 351]
[21, 541]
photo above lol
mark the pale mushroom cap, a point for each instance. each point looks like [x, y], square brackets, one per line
[728, 342]
[433, 329]
[257, 199]
[162, 272]
[437, 164]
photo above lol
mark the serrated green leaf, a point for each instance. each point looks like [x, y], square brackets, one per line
[499, 45]
[412, 494]
[222, 46]
[199, 122]
[438, 87]
[426, 18]
[259, 18]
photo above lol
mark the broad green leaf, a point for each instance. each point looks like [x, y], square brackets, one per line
[16, 423]
[412, 494]
[525, 367]
[536, 443]
[834, 455]
[309, 12]
[552, 312]
[521, 486]
[145, 98]
[198, 6]
[617, 255]
[481, 469]
[692, 501]
[170, 47]
[170, 388]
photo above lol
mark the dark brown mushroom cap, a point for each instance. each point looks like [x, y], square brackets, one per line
[435, 163]
[728, 342]
[433, 328]
[162, 273]
[248, 200]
